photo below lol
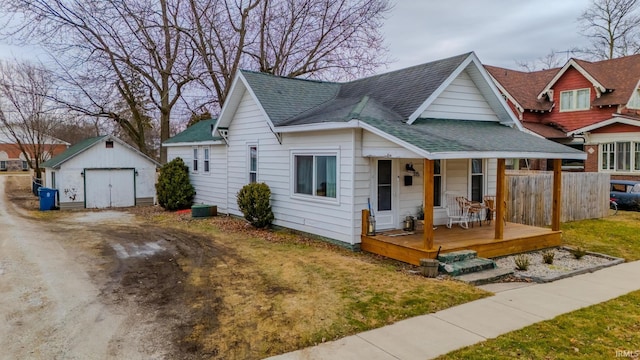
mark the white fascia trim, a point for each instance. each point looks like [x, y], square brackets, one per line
[122, 143]
[601, 124]
[496, 93]
[258, 103]
[507, 155]
[507, 94]
[527, 131]
[454, 74]
[564, 69]
[395, 140]
[225, 107]
[317, 127]
[197, 143]
[633, 93]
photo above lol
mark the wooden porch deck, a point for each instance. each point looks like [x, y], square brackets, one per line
[409, 248]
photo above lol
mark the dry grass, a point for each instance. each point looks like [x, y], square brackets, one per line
[615, 235]
[281, 291]
[596, 332]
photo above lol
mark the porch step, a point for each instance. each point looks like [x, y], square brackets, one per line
[485, 276]
[455, 256]
[467, 266]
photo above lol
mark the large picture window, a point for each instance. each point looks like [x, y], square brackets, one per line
[316, 175]
[573, 100]
[622, 156]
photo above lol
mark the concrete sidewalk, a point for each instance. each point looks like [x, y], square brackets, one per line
[514, 306]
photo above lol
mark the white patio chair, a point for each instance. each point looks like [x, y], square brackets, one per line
[456, 213]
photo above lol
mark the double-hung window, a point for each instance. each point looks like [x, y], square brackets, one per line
[253, 164]
[195, 160]
[206, 159]
[574, 100]
[477, 180]
[316, 175]
[3, 165]
[621, 156]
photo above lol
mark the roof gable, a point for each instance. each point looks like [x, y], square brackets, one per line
[86, 144]
[614, 79]
[523, 87]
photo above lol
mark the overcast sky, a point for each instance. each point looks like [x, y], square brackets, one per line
[499, 31]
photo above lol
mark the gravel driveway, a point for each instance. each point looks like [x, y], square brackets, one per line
[89, 285]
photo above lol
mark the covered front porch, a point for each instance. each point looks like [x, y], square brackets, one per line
[410, 248]
[489, 239]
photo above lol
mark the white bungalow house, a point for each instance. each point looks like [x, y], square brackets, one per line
[102, 172]
[398, 141]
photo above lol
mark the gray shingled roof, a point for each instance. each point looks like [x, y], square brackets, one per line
[198, 132]
[72, 151]
[446, 136]
[385, 102]
[285, 98]
[398, 93]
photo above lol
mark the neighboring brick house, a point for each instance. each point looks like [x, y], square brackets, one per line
[592, 106]
[12, 159]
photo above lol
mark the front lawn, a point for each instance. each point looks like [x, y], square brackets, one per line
[596, 332]
[274, 291]
[617, 235]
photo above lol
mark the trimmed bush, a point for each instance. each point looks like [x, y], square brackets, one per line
[254, 202]
[174, 189]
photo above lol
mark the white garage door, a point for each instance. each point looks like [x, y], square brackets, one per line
[109, 188]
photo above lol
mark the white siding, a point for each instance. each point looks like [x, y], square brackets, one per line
[211, 187]
[461, 100]
[71, 184]
[376, 146]
[634, 102]
[318, 216]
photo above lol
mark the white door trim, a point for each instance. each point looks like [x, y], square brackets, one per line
[386, 219]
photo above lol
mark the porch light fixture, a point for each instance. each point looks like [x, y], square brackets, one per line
[409, 167]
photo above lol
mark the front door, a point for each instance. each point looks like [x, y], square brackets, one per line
[385, 194]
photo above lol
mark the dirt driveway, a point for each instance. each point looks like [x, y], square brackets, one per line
[91, 285]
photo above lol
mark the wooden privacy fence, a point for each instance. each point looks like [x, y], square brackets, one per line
[529, 196]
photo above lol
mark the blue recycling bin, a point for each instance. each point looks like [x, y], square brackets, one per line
[47, 198]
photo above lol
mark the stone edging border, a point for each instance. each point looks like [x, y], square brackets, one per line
[550, 278]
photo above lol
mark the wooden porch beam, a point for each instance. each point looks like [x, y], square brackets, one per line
[500, 200]
[557, 194]
[365, 221]
[427, 204]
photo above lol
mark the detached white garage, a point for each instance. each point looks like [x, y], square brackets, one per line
[102, 172]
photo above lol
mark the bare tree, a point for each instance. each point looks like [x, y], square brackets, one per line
[174, 47]
[549, 61]
[613, 28]
[99, 44]
[27, 116]
[320, 37]
[313, 38]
